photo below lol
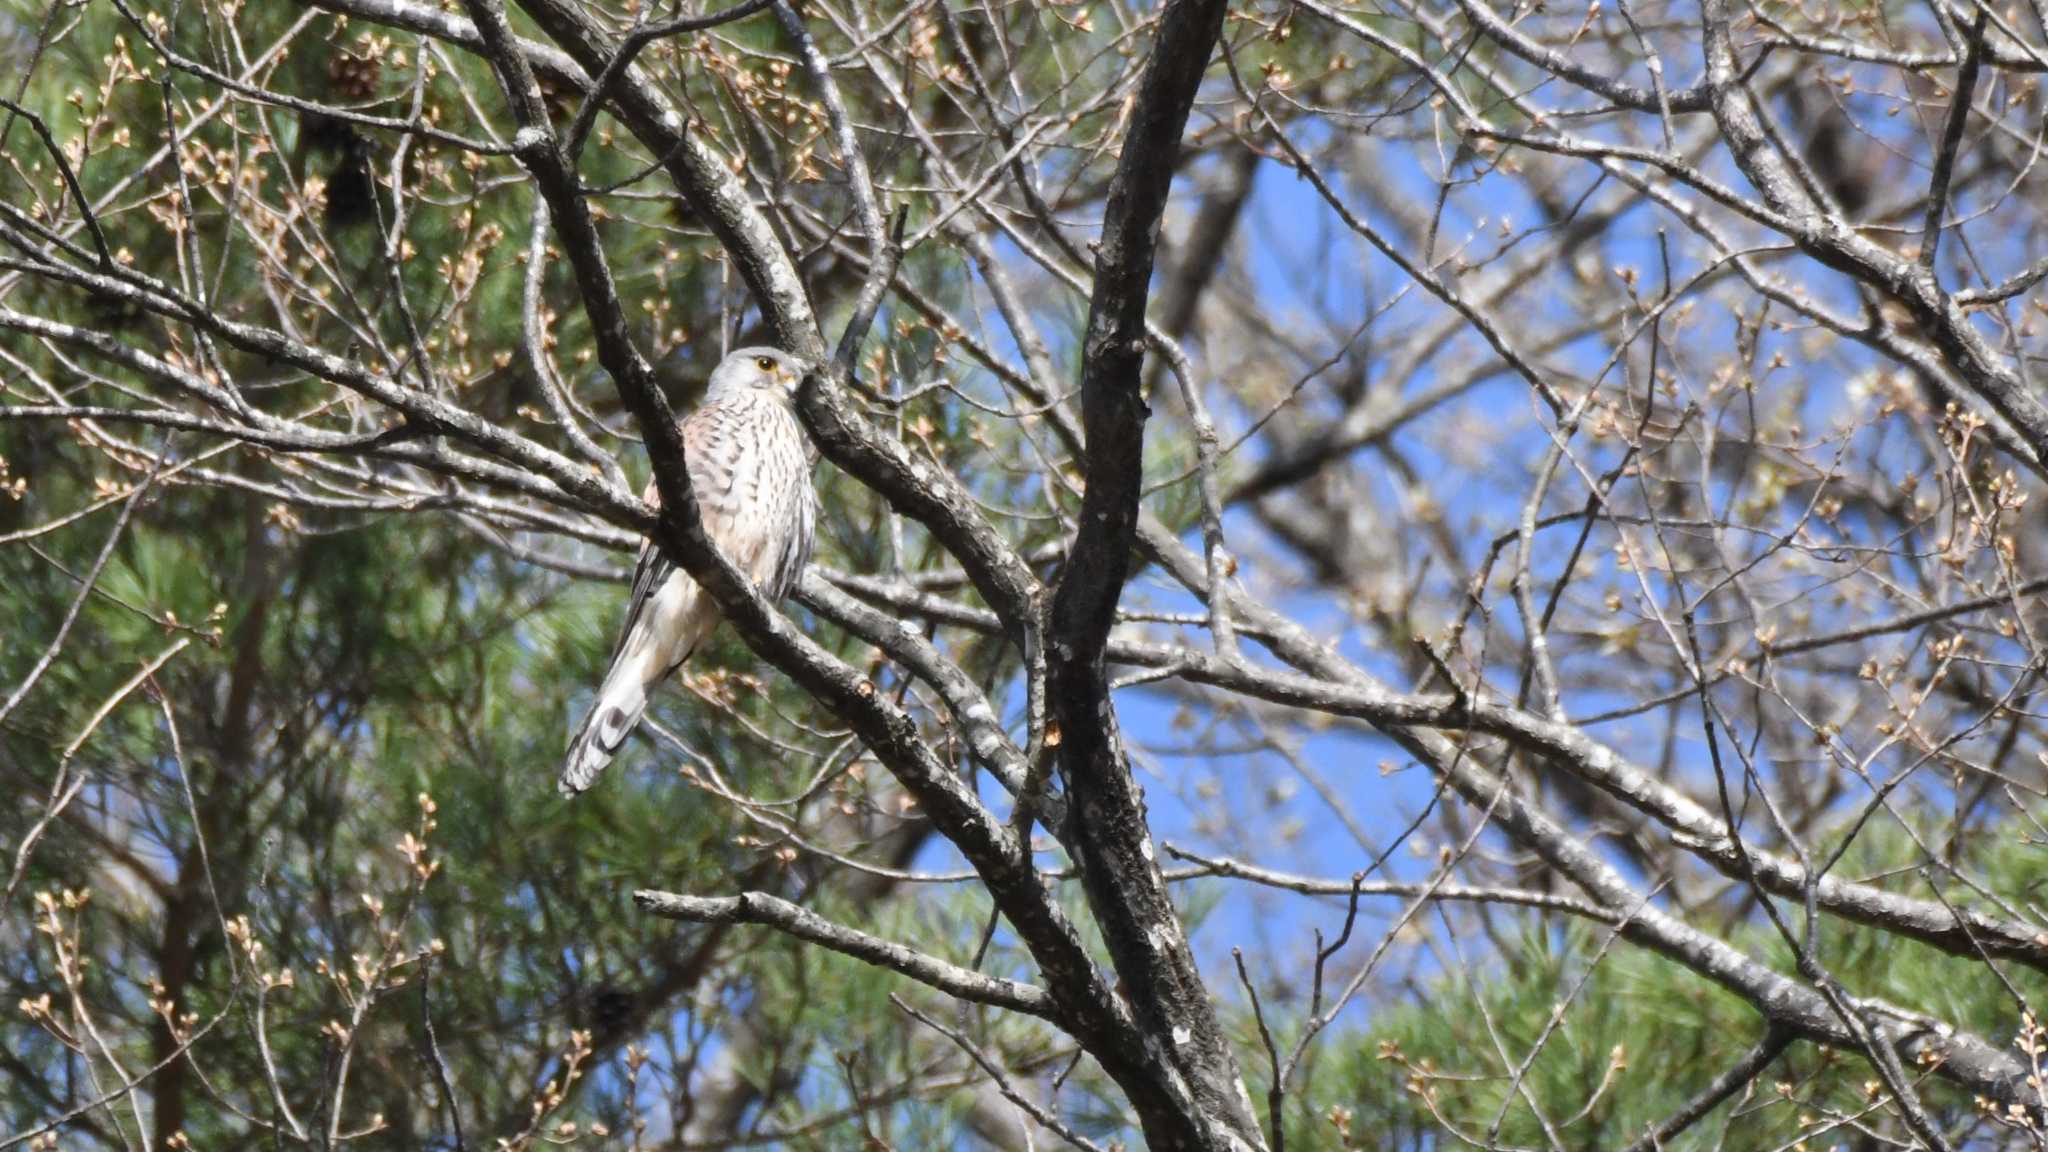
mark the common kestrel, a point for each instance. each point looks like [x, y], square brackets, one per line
[750, 469]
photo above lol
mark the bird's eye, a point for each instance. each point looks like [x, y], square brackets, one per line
[764, 363]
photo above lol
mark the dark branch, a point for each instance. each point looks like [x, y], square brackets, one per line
[1201, 1102]
[774, 912]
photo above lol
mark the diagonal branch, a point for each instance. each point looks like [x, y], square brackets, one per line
[808, 926]
[1829, 239]
[1951, 143]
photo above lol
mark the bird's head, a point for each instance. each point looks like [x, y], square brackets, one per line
[770, 371]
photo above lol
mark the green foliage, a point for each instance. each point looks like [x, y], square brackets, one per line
[1628, 1037]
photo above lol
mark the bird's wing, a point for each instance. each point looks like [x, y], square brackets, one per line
[650, 572]
[795, 552]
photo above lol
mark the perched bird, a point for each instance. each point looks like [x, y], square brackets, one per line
[750, 469]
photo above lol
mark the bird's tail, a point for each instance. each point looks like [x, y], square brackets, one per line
[612, 718]
[668, 627]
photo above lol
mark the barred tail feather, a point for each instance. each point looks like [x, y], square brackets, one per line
[674, 619]
[612, 718]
